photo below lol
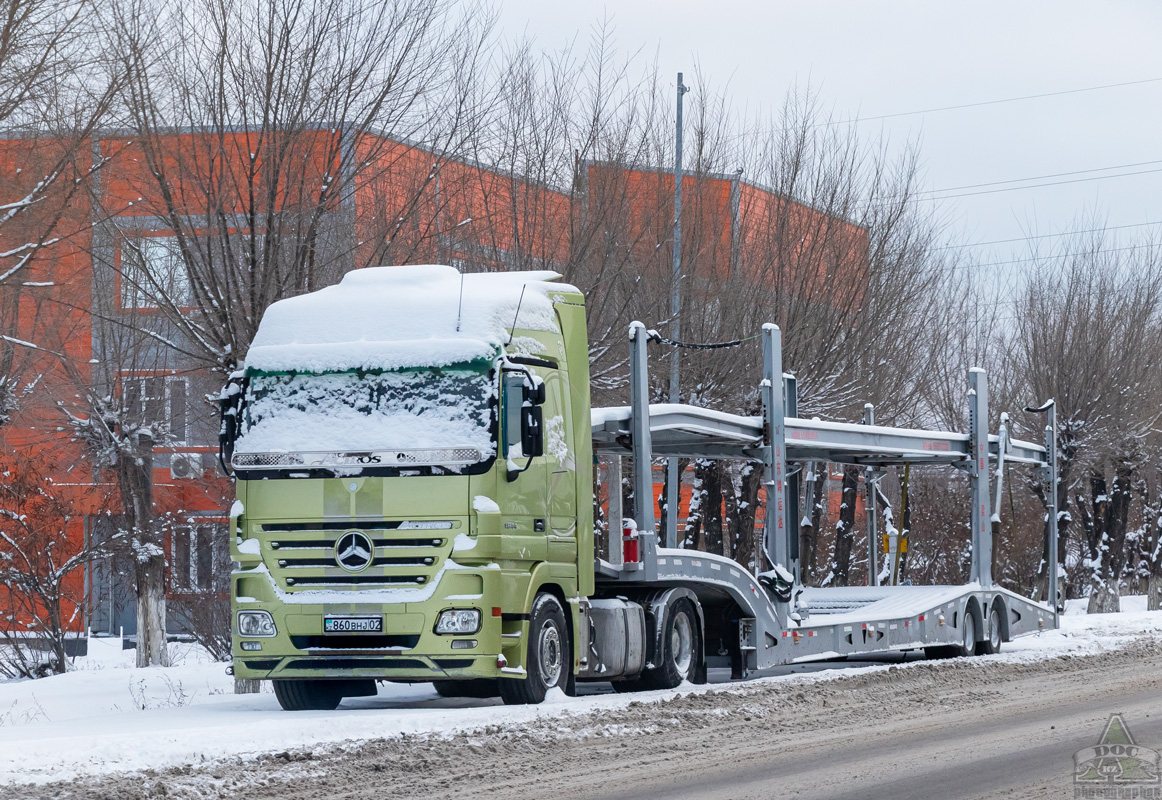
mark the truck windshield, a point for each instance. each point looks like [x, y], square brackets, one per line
[425, 416]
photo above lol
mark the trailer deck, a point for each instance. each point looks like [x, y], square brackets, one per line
[794, 622]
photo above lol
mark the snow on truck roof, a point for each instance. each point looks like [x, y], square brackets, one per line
[400, 317]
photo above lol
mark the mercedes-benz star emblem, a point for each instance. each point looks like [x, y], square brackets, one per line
[353, 551]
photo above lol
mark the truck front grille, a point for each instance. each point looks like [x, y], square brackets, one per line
[405, 553]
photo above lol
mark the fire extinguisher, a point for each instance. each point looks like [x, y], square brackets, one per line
[629, 541]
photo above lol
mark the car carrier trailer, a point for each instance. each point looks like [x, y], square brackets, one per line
[413, 451]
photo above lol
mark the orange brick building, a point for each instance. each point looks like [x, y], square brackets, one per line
[76, 317]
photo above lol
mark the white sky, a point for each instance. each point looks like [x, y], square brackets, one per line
[890, 56]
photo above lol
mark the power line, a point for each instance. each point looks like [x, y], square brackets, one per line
[1053, 256]
[1047, 236]
[1043, 177]
[996, 102]
[1050, 183]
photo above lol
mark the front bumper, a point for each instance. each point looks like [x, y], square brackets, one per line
[340, 665]
[407, 649]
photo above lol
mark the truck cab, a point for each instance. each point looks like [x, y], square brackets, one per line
[414, 489]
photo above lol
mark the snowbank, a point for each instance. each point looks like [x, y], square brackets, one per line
[107, 717]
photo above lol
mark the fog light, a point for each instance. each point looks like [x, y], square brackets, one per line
[252, 645]
[459, 644]
[256, 623]
[459, 620]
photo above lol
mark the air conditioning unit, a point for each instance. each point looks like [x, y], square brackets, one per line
[183, 466]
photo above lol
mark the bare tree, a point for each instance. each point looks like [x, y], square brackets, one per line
[55, 90]
[42, 598]
[262, 129]
[1148, 571]
[1088, 334]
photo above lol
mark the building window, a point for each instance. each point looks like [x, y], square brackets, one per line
[199, 559]
[152, 269]
[162, 401]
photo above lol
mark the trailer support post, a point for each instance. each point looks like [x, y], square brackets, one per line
[982, 531]
[1051, 495]
[775, 528]
[791, 409]
[871, 509]
[643, 478]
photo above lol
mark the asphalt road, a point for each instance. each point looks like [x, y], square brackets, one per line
[1007, 746]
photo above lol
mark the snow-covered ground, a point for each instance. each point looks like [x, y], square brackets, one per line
[106, 716]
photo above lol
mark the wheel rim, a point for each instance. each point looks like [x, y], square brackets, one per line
[682, 643]
[995, 630]
[969, 632]
[549, 649]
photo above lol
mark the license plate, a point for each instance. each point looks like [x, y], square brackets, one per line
[352, 624]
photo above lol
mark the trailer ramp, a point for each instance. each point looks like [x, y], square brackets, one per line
[848, 620]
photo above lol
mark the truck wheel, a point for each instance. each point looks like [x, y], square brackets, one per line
[681, 649]
[306, 695]
[968, 643]
[480, 688]
[992, 642]
[549, 655]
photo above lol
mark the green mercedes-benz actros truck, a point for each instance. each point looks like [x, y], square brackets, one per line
[414, 489]
[414, 458]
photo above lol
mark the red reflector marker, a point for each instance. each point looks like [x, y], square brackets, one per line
[496, 611]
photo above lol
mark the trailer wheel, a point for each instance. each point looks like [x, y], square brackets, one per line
[549, 655]
[306, 695]
[992, 641]
[681, 649]
[478, 688]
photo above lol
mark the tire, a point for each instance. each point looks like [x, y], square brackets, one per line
[968, 641]
[681, 649]
[306, 695]
[992, 641]
[550, 655]
[479, 688]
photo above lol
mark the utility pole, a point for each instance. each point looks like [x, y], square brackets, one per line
[673, 498]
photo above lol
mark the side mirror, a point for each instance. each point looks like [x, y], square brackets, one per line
[523, 421]
[514, 391]
[229, 403]
[532, 430]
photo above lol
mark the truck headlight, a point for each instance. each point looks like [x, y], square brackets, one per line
[459, 620]
[256, 623]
